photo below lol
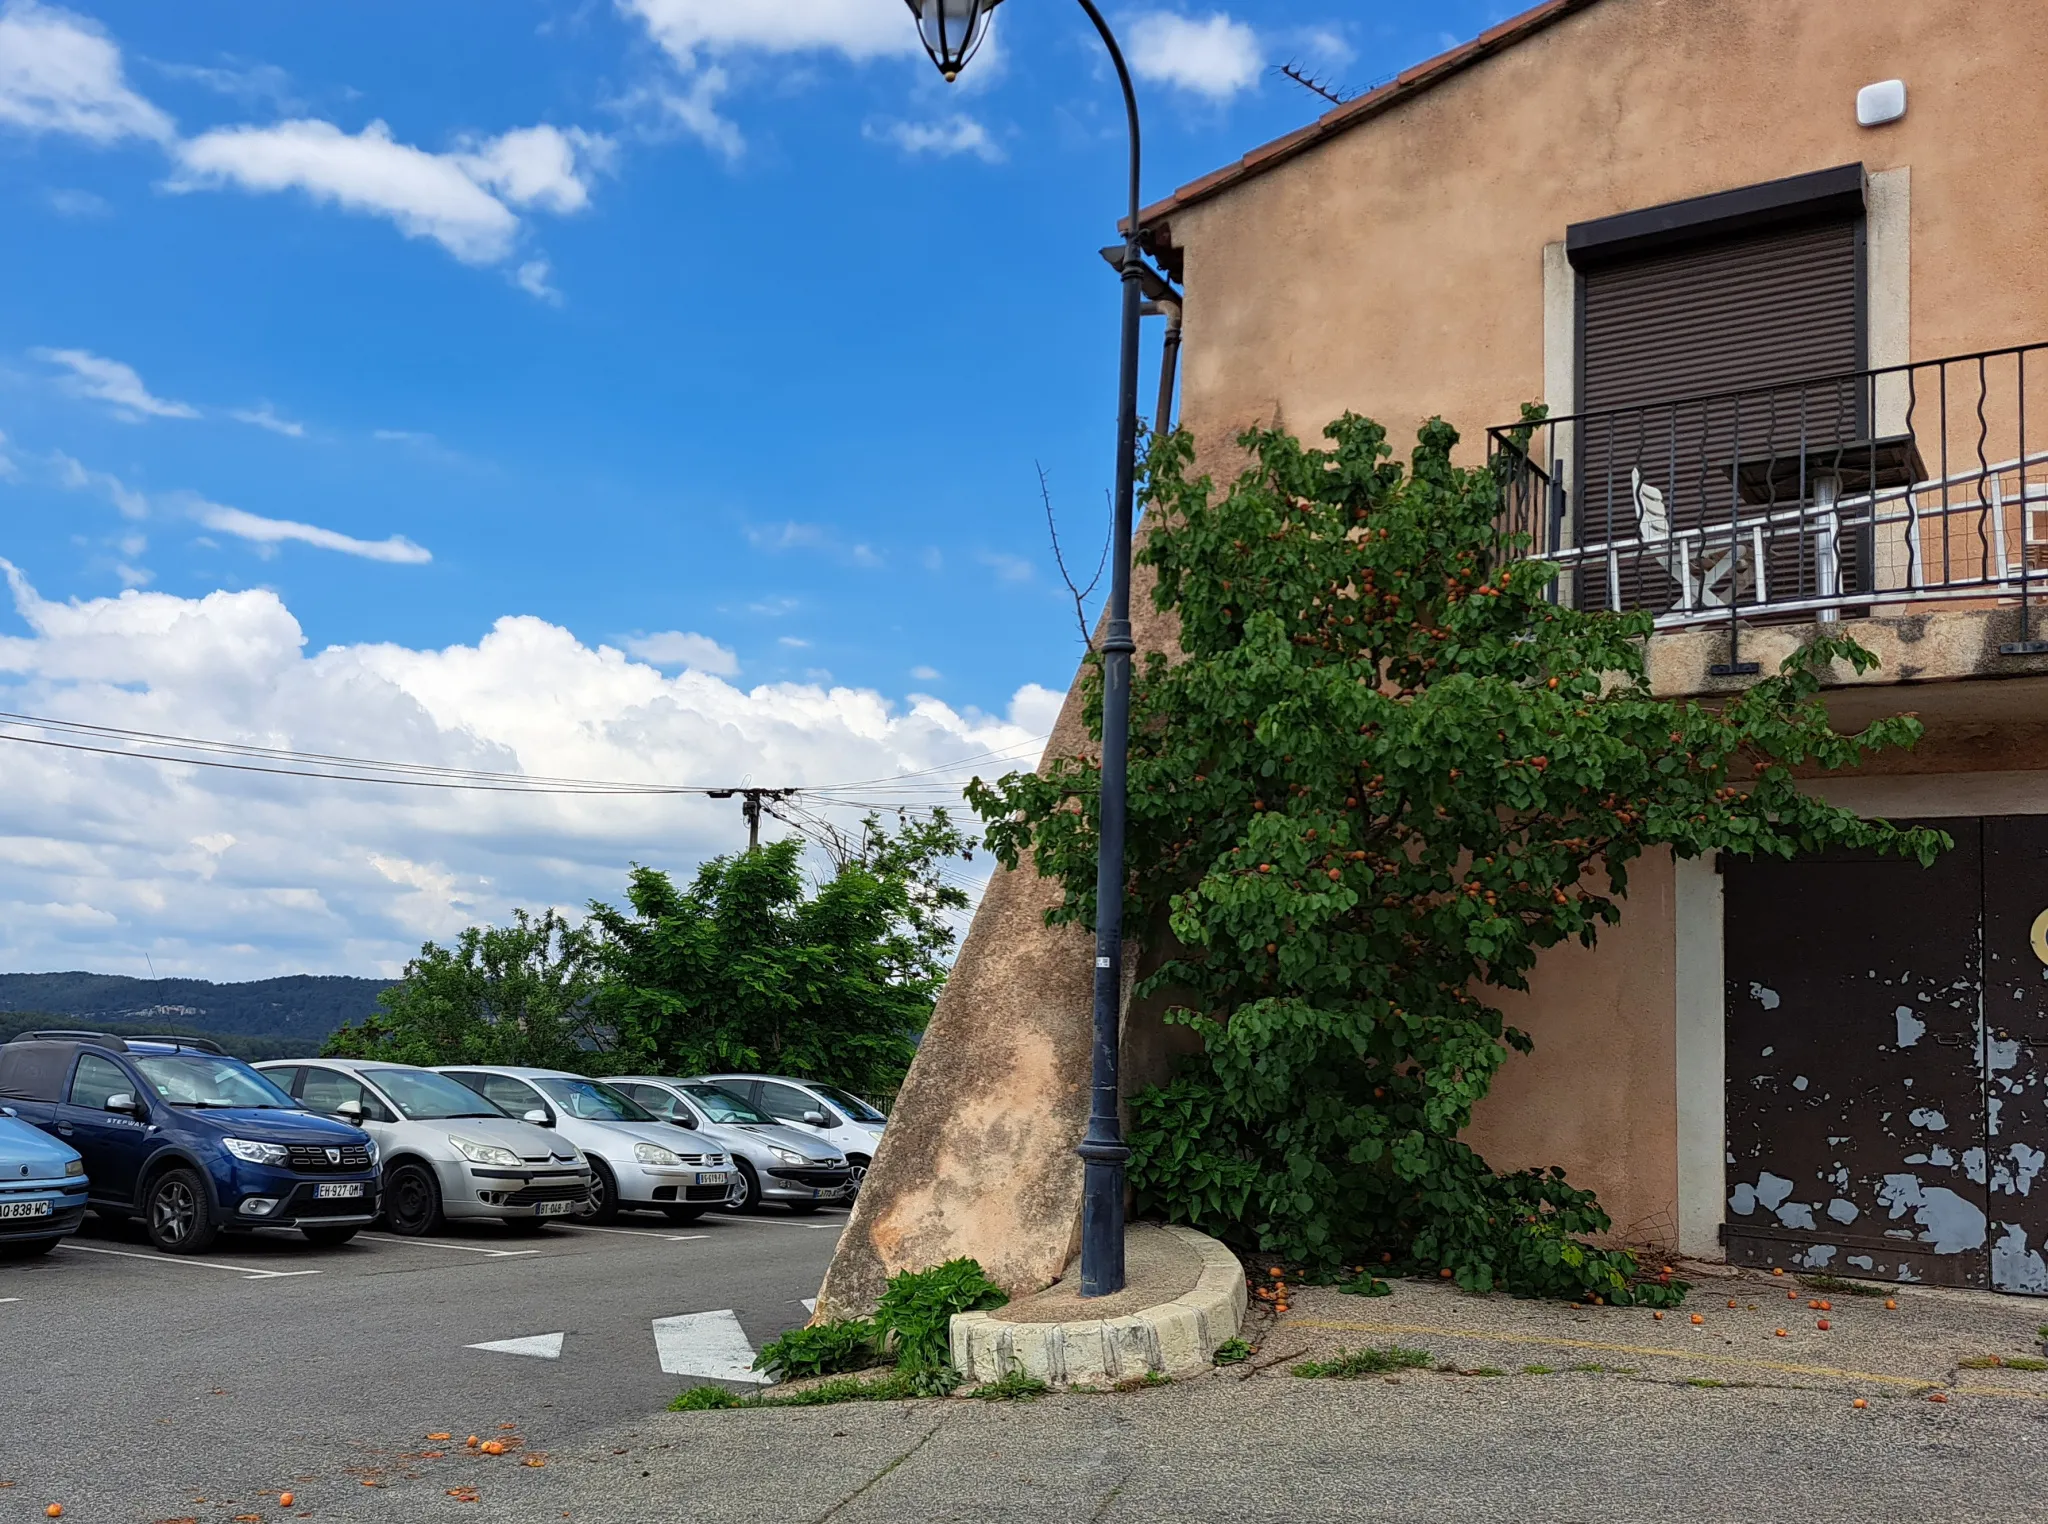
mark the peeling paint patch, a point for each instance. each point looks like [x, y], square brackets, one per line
[1942, 1157]
[1742, 1201]
[1927, 1117]
[1816, 1257]
[1767, 998]
[1973, 1164]
[2015, 1267]
[1844, 1212]
[2001, 1055]
[1949, 1222]
[1772, 1190]
[1911, 1027]
[1863, 1262]
[2026, 1164]
[1797, 1214]
[1799, 1083]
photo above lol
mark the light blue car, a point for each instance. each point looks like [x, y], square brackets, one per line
[42, 1188]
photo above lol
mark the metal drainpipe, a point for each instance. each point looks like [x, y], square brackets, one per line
[1169, 359]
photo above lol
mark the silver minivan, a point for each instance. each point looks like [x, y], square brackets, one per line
[447, 1152]
[775, 1163]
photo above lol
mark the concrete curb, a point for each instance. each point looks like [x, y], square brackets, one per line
[1175, 1338]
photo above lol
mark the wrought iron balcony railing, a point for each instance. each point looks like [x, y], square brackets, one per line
[1812, 500]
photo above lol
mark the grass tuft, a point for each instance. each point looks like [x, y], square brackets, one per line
[1351, 1364]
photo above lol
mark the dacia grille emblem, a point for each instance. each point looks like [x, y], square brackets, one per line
[334, 1156]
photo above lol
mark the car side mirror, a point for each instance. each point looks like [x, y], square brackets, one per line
[540, 1117]
[815, 1118]
[121, 1100]
[350, 1111]
[9, 1111]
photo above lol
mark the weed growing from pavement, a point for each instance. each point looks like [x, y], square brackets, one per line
[1351, 1364]
[1836, 1286]
[1486, 1370]
[1012, 1387]
[1232, 1352]
[1539, 1370]
[913, 1324]
[1703, 1381]
[2002, 1362]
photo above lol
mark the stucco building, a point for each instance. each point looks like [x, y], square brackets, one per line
[1775, 269]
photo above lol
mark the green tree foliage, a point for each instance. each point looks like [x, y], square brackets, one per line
[1388, 774]
[518, 994]
[749, 969]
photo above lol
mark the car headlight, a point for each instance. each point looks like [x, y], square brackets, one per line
[482, 1153]
[251, 1152]
[654, 1153]
[371, 1145]
[786, 1155]
[75, 1167]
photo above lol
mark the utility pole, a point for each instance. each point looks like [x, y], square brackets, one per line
[750, 807]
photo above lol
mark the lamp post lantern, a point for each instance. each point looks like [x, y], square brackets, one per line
[951, 31]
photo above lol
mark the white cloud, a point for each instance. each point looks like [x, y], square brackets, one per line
[1216, 56]
[791, 535]
[532, 278]
[1008, 568]
[694, 109]
[76, 477]
[59, 72]
[265, 417]
[956, 134]
[272, 532]
[234, 875]
[858, 29]
[77, 203]
[925, 674]
[539, 166]
[794, 642]
[254, 85]
[679, 648]
[111, 382]
[427, 195]
[1034, 709]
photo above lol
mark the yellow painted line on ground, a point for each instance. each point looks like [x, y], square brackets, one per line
[1651, 1351]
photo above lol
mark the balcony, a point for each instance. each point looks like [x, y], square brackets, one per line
[1872, 492]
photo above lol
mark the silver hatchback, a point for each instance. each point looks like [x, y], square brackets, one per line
[448, 1152]
[775, 1163]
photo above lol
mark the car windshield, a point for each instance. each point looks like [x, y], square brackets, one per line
[852, 1105]
[724, 1106]
[424, 1096]
[595, 1101]
[199, 1079]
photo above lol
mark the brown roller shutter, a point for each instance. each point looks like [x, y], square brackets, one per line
[1663, 331]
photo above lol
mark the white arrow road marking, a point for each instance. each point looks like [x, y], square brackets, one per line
[706, 1344]
[540, 1346]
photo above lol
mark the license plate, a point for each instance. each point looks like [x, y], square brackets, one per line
[554, 1209]
[337, 1190]
[713, 1177]
[26, 1208]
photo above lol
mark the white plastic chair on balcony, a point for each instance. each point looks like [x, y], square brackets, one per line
[1684, 555]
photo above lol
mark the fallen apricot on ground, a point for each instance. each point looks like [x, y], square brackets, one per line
[1859, 1403]
[54, 1511]
[1777, 1270]
[1697, 1318]
[1891, 1304]
[1657, 1316]
[284, 1500]
[1445, 1272]
[533, 1460]
[1937, 1396]
[1826, 1305]
[440, 1436]
[471, 1441]
[1781, 1333]
[1731, 1301]
[492, 1447]
[1822, 1324]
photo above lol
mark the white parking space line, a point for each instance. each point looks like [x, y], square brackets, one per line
[535, 1346]
[432, 1243]
[9, 1298]
[666, 1238]
[247, 1272]
[706, 1344]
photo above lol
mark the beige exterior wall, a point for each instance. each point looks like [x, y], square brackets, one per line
[1397, 269]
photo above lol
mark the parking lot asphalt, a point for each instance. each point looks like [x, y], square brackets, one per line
[135, 1384]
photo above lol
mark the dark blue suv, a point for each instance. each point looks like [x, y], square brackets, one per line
[191, 1140]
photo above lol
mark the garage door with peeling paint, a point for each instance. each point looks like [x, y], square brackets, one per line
[1857, 1064]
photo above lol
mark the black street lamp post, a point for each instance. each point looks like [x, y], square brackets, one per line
[952, 30]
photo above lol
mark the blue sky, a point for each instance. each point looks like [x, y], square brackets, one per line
[723, 336]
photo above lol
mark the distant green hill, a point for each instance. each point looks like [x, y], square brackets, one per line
[283, 1017]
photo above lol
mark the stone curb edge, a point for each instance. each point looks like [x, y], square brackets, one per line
[1175, 1338]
